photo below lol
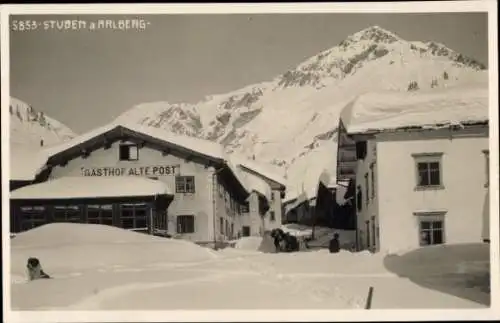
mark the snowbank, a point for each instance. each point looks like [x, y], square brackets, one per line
[84, 187]
[248, 243]
[389, 110]
[70, 248]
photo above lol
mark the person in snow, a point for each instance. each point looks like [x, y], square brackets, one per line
[277, 235]
[35, 270]
[292, 244]
[334, 244]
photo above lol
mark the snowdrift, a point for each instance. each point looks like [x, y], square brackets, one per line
[68, 248]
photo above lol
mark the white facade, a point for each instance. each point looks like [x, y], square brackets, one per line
[211, 205]
[402, 210]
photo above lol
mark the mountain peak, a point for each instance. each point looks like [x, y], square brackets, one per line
[374, 33]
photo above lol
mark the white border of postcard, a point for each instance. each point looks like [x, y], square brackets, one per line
[489, 6]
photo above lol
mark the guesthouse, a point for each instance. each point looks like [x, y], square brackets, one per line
[418, 167]
[144, 179]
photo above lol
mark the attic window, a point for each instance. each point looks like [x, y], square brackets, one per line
[129, 152]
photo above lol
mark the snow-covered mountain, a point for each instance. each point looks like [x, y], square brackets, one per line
[291, 121]
[28, 127]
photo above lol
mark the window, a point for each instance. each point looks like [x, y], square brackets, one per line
[100, 214]
[359, 199]
[246, 231]
[67, 213]
[429, 174]
[134, 216]
[129, 152]
[221, 227]
[374, 230]
[372, 172]
[487, 160]
[184, 184]
[272, 216]
[367, 189]
[221, 189]
[32, 217]
[431, 228]
[232, 230]
[244, 208]
[227, 228]
[185, 224]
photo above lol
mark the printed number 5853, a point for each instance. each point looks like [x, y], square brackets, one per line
[24, 25]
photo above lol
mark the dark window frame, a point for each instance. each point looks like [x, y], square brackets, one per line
[272, 215]
[185, 184]
[104, 214]
[367, 189]
[33, 216]
[372, 182]
[430, 222]
[424, 177]
[134, 207]
[68, 211]
[185, 224]
[359, 199]
[122, 156]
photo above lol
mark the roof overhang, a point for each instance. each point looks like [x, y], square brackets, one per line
[92, 187]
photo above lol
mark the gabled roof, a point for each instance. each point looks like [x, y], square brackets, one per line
[266, 171]
[392, 110]
[195, 145]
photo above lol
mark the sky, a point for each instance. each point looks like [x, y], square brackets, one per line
[87, 78]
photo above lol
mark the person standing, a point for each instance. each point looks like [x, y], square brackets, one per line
[334, 246]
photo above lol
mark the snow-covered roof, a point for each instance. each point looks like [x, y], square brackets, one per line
[275, 174]
[26, 163]
[250, 181]
[391, 110]
[205, 147]
[92, 187]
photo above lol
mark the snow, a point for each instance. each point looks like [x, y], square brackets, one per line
[201, 146]
[25, 162]
[392, 110]
[176, 275]
[92, 187]
[251, 182]
[319, 165]
[64, 249]
[272, 172]
[307, 113]
[248, 243]
[26, 131]
[322, 235]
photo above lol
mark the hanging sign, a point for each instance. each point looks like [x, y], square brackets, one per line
[131, 171]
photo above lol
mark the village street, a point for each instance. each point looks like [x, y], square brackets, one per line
[201, 278]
